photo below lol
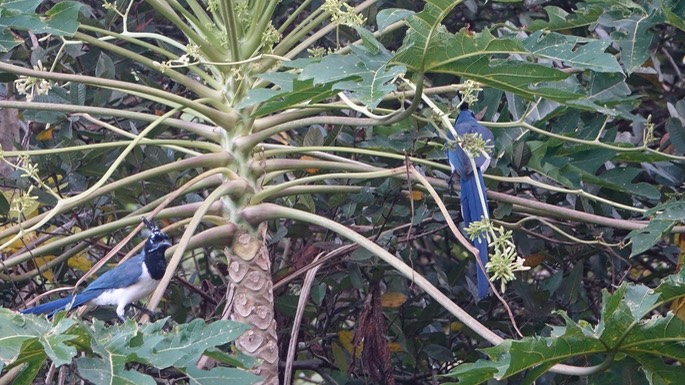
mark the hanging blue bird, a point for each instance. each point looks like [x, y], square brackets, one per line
[122, 285]
[472, 208]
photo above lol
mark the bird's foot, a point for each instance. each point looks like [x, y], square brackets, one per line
[150, 313]
[450, 184]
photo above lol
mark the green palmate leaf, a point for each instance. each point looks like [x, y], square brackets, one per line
[620, 312]
[11, 339]
[621, 330]
[185, 344]
[110, 350]
[567, 341]
[98, 372]
[671, 211]
[608, 88]
[17, 330]
[580, 53]
[473, 373]
[389, 16]
[558, 19]
[239, 360]
[632, 36]
[609, 94]
[62, 19]
[365, 72]
[676, 133]
[673, 11]
[666, 216]
[525, 79]
[658, 336]
[588, 160]
[55, 341]
[640, 300]
[8, 40]
[429, 47]
[551, 164]
[672, 286]
[425, 32]
[220, 376]
[29, 373]
[289, 91]
[643, 239]
[108, 365]
[657, 372]
[621, 179]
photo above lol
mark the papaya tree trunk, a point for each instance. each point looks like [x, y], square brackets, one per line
[250, 300]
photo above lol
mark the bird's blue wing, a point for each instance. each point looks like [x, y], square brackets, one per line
[123, 275]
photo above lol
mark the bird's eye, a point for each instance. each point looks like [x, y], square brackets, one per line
[157, 237]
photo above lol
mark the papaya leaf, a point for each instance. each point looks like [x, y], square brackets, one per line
[558, 19]
[622, 330]
[109, 351]
[665, 216]
[429, 47]
[61, 19]
[580, 53]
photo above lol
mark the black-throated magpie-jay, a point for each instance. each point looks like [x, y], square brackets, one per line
[122, 285]
[473, 209]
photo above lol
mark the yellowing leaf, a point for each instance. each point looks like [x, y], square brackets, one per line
[456, 327]
[345, 337]
[57, 179]
[395, 347]
[46, 135]
[310, 170]
[19, 243]
[416, 195]
[393, 299]
[40, 262]
[80, 262]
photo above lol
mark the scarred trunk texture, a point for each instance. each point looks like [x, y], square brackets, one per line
[251, 301]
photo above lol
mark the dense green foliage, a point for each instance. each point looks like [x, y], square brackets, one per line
[219, 116]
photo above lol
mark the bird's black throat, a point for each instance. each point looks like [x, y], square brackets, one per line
[155, 262]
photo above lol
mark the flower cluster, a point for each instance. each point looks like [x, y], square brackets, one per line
[31, 86]
[473, 145]
[192, 52]
[503, 261]
[469, 94]
[343, 13]
[271, 36]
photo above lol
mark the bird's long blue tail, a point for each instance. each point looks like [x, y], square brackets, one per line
[473, 211]
[52, 307]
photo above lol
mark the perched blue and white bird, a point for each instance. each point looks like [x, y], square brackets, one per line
[122, 285]
[472, 208]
